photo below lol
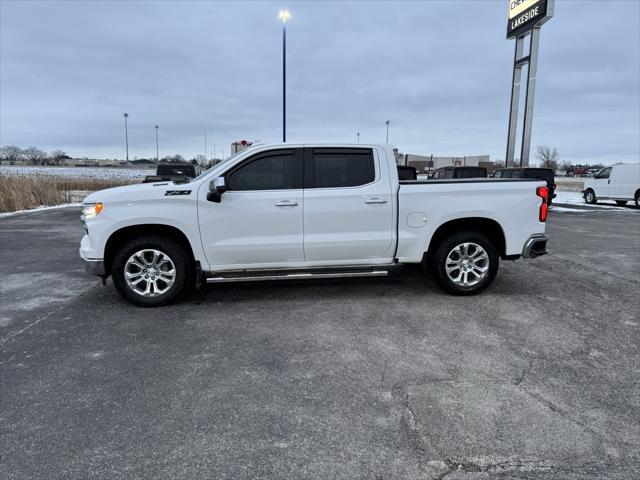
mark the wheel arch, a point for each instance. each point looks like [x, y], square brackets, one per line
[486, 226]
[124, 234]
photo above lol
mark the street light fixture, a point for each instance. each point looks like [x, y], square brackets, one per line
[284, 15]
[157, 150]
[126, 134]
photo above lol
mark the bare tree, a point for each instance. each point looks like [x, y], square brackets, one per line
[10, 154]
[58, 156]
[498, 164]
[548, 156]
[34, 155]
[565, 165]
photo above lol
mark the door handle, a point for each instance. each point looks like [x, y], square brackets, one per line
[375, 200]
[286, 203]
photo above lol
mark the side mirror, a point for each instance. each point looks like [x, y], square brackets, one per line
[217, 187]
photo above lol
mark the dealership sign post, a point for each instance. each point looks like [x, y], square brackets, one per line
[524, 19]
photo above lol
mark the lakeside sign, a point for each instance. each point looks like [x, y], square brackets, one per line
[524, 21]
[523, 15]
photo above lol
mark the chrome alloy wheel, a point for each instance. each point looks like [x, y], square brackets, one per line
[150, 272]
[467, 264]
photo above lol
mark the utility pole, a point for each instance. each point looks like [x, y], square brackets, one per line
[126, 134]
[284, 15]
[358, 136]
[157, 149]
[387, 124]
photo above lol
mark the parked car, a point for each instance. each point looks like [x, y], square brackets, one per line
[545, 174]
[174, 172]
[294, 211]
[619, 182]
[459, 172]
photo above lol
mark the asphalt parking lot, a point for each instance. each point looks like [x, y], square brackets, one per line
[539, 377]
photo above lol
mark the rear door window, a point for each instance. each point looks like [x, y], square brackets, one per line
[498, 174]
[348, 167]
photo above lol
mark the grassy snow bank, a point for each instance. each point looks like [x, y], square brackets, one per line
[24, 192]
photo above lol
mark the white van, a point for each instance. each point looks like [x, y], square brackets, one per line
[619, 182]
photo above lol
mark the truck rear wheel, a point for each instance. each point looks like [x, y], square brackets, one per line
[151, 270]
[465, 263]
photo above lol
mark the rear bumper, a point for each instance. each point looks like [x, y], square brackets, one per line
[535, 246]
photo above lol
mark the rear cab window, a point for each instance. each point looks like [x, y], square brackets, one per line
[339, 167]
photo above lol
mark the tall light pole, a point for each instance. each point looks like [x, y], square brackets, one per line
[387, 124]
[157, 149]
[205, 144]
[126, 134]
[284, 15]
[358, 136]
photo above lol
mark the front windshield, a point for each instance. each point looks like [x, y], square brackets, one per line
[205, 172]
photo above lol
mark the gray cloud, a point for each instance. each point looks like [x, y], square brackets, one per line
[439, 70]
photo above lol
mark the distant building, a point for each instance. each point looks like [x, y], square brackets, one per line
[92, 162]
[427, 163]
[239, 146]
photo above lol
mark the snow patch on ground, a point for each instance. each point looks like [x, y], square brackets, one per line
[124, 173]
[555, 208]
[575, 198]
[40, 209]
[569, 197]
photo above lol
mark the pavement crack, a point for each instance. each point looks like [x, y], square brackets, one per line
[46, 315]
[468, 466]
[520, 378]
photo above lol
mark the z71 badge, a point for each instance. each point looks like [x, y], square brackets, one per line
[177, 192]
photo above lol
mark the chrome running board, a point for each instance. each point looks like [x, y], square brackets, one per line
[255, 276]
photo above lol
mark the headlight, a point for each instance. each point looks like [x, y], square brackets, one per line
[90, 210]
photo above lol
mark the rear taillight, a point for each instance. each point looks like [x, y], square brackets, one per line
[543, 193]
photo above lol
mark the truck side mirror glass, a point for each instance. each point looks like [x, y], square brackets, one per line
[217, 187]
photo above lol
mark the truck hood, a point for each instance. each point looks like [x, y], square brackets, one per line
[141, 191]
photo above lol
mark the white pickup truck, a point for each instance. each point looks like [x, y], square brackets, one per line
[301, 211]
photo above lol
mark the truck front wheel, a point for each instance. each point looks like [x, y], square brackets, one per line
[590, 196]
[465, 263]
[151, 270]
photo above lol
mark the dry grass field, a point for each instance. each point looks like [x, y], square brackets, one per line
[22, 192]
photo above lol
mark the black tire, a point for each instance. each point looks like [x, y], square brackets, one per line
[621, 203]
[637, 199]
[182, 261]
[590, 196]
[438, 262]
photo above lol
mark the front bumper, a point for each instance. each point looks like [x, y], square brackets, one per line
[92, 265]
[535, 246]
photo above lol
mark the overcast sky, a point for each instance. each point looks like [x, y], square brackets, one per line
[440, 71]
